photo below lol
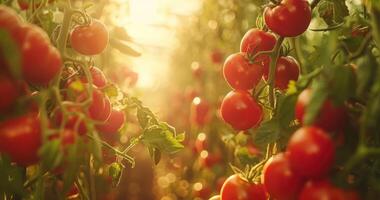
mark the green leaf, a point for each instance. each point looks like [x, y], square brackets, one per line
[155, 154]
[10, 52]
[162, 139]
[180, 137]
[267, 133]
[285, 109]
[73, 161]
[115, 171]
[11, 178]
[245, 157]
[333, 11]
[143, 117]
[365, 73]
[51, 154]
[342, 84]
[318, 97]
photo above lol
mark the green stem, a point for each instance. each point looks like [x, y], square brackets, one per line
[117, 152]
[272, 71]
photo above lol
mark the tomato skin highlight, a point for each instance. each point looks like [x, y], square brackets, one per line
[235, 188]
[279, 179]
[288, 19]
[311, 152]
[256, 40]
[20, 139]
[91, 39]
[287, 69]
[330, 118]
[240, 110]
[240, 73]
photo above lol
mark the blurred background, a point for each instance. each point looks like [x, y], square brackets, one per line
[183, 45]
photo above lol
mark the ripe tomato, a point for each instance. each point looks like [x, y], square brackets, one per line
[330, 118]
[20, 139]
[216, 57]
[73, 122]
[9, 91]
[323, 189]
[200, 111]
[112, 125]
[100, 107]
[256, 40]
[98, 77]
[90, 39]
[240, 110]
[311, 152]
[210, 159]
[33, 43]
[235, 188]
[203, 193]
[240, 73]
[8, 18]
[288, 19]
[279, 179]
[287, 69]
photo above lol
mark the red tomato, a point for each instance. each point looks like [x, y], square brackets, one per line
[288, 19]
[216, 57]
[256, 40]
[311, 152]
[90, 39]
[235, 188]
[98, 77]
[204, 193]
[33, 43]
[112, 125]
[72, 122]
[240, 73]
[20, 139]
[9, 91]
[100, 107]
[330, 118]
[240, 110]
[200, 112]
[279, 179]
[108, 157]
[8, 18]
[210, 159]
[323, 189]
[287, 69]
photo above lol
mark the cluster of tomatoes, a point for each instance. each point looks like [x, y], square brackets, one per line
[21, 134]
[303, 169]
[40, 63]
[245, 70]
